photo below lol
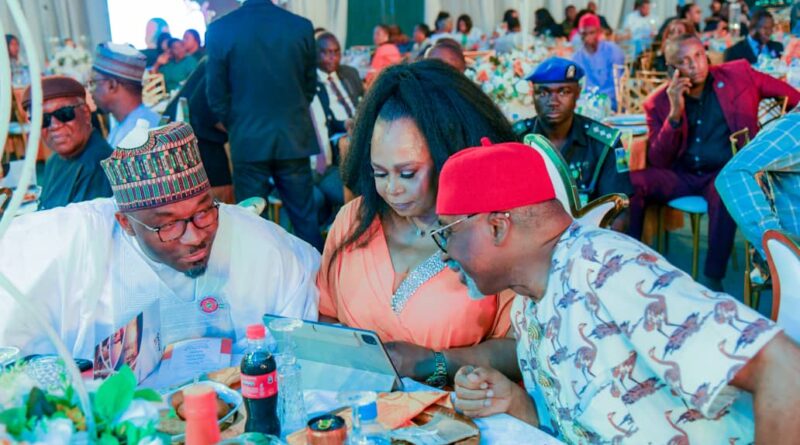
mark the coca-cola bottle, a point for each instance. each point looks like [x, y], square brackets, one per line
[260, 384]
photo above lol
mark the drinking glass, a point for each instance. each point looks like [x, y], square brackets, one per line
[8, 354]
[253, 439]
[291, 407]
[355, 400]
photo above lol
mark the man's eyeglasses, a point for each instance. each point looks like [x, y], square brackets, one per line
[174, 230]
[441, 234]
[63, 114]
[91, 84]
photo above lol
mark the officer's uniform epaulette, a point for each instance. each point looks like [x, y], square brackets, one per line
[523, 127]
[606, 135]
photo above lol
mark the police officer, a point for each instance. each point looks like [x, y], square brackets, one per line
[588, 146]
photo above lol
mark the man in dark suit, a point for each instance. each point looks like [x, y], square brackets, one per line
[689, 122]
[339, 90]
[757, 42]
[261, 78]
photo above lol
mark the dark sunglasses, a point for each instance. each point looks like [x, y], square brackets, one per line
[63, 114]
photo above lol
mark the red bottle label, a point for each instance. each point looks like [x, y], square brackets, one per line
[260, 386]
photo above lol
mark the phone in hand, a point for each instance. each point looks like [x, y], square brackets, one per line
[671, 71]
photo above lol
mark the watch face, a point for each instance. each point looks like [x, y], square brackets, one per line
[436, 381]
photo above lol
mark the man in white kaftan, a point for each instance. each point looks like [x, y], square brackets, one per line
[90, 270]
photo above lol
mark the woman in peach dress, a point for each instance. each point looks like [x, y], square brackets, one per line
[386, 53]
[381, 270]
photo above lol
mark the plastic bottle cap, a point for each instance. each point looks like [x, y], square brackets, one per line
[368, 411]
[201, 401]
[256, 331]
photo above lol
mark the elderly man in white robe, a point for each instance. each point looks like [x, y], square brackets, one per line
[212, 268]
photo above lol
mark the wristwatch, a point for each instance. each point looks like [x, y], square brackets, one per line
[439, 377]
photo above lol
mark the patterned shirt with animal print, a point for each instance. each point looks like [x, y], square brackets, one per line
[624, 348]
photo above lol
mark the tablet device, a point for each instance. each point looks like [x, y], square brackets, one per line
[341, 358]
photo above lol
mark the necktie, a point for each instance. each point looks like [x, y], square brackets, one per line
[340, 97]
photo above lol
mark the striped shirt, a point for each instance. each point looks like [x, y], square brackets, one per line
[760, 186]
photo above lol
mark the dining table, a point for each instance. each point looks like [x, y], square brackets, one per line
[495, 429]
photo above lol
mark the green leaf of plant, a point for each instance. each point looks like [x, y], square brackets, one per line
[131, 433]
[115, 394]
[38, 406]
[14, 420]
[147, 394]
[108, 439]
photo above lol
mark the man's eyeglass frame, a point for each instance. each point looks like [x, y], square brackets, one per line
[214, 207]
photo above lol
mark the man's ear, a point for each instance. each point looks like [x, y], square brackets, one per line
[500, 225]
[86, 113]
[125, 223]
[113, 85]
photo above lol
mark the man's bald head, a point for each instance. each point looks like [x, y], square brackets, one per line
[687, 54]
[673, 46]
[329, 52]
[448, 51]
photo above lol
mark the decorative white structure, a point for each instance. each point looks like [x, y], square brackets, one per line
[31, 151]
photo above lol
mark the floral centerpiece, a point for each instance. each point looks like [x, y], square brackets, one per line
[593, 104]
[774, 67]
[502, 77]
[73, 61]
[122, 413]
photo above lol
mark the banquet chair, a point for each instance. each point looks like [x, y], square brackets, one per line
[649, 80]
[255, 204]
[599, 213]
[274, 213]
[621, 74]
[632, 90]
[771, 108]
[154, 88]
[18, 129]
[696, 207]
[752, 287]
[639, 88]
[5, 196]
[783, 256]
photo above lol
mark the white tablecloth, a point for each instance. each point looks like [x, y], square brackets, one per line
[495, 430]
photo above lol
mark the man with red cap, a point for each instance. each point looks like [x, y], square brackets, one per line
[598, 57]
[615, 344]
[72, 173]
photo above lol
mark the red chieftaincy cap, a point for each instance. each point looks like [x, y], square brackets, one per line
[588, 20]
[491, 178]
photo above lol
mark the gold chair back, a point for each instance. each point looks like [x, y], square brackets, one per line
[154, 88]
[739, 139]
[621, 74]
[771, 108]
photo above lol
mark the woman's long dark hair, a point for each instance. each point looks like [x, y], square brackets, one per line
[451, 112]
[544, 20]
[467, 22]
